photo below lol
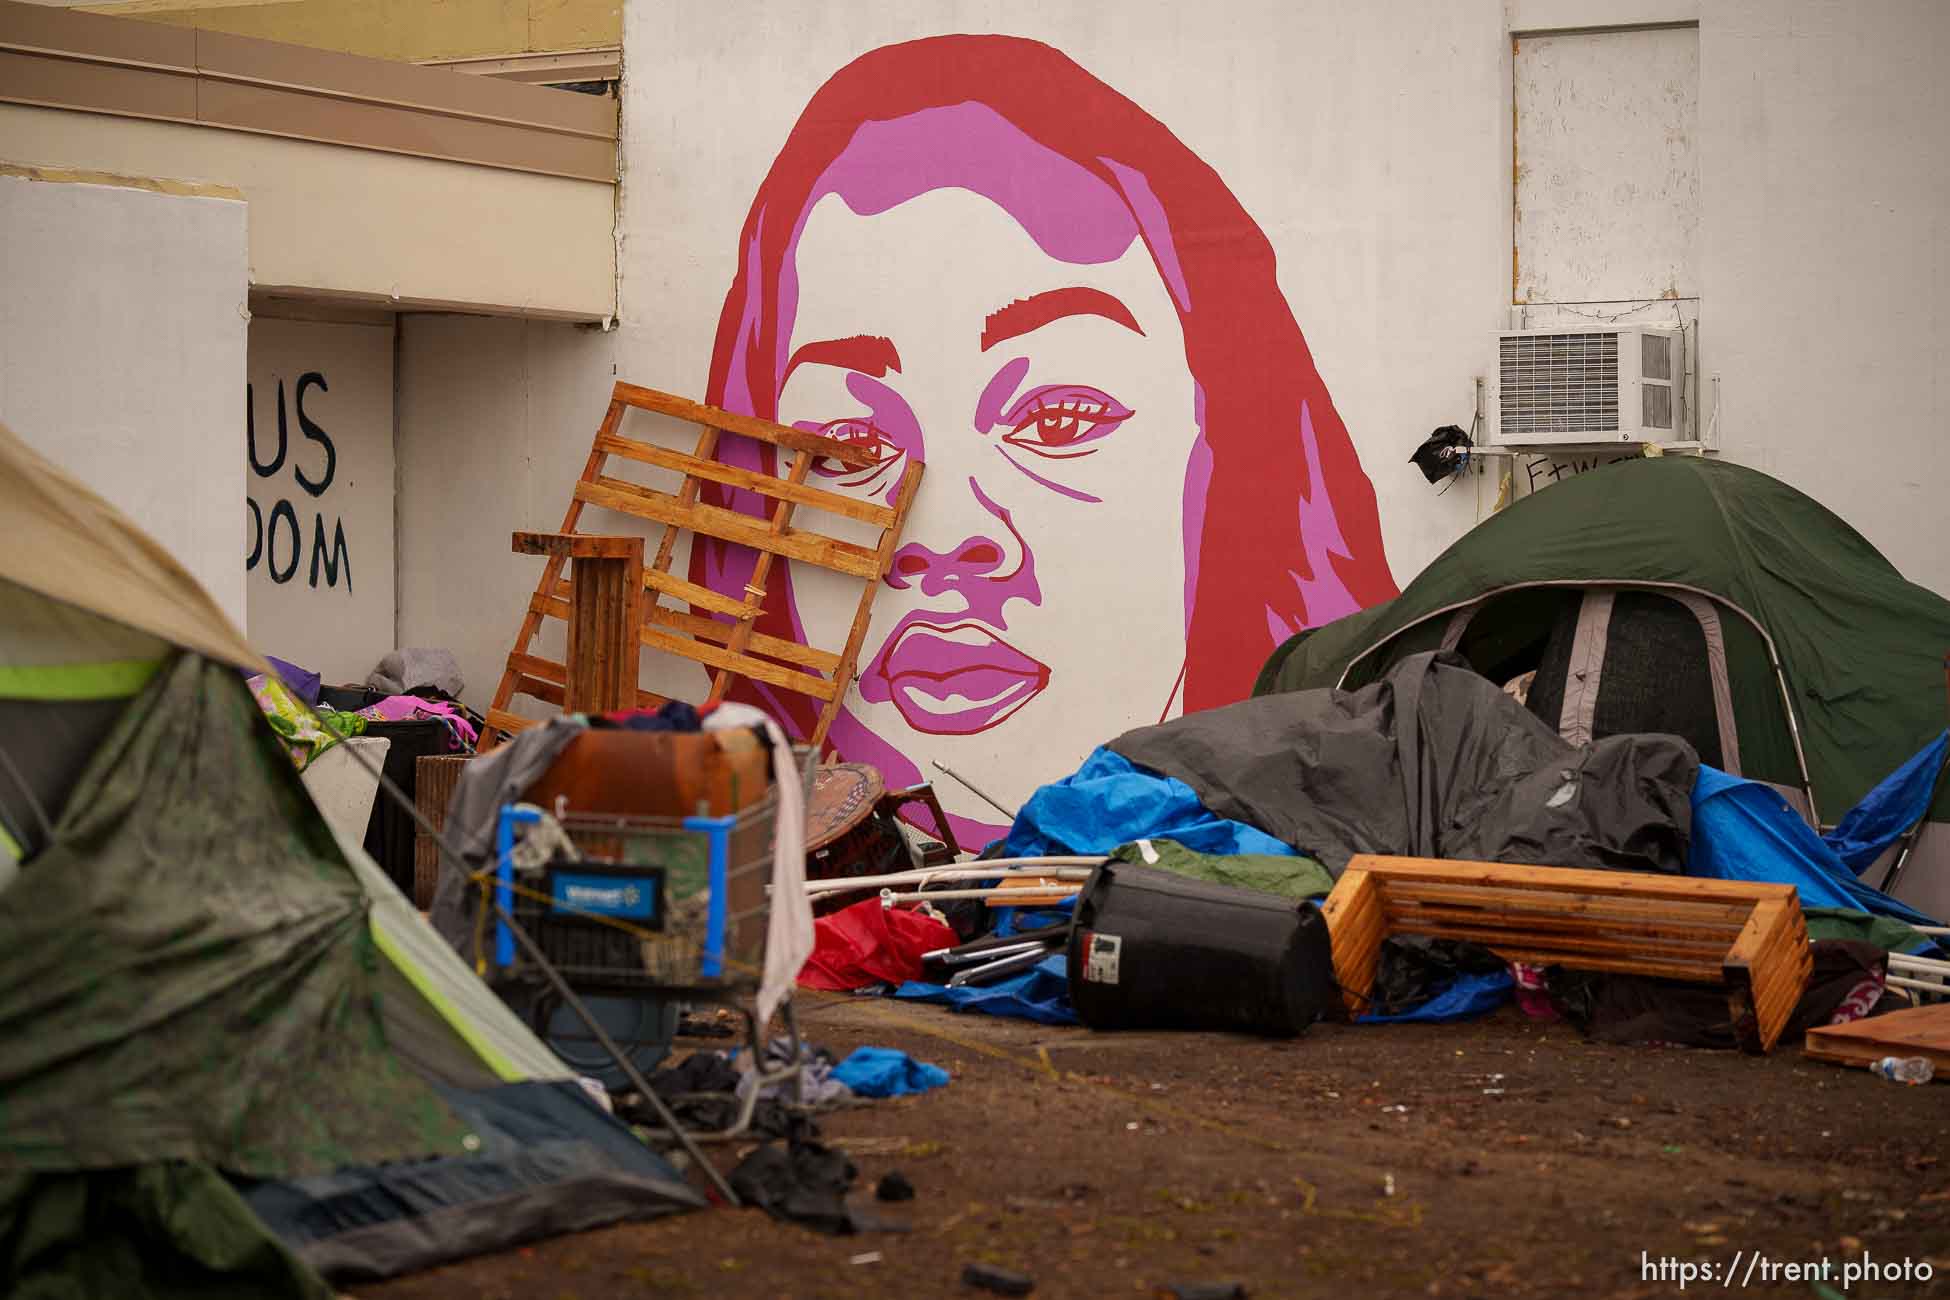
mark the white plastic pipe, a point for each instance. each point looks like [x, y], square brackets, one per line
[1070, 868]
[936, 895]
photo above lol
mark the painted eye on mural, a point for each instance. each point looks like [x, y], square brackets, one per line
[861, 433]
[1059, 421]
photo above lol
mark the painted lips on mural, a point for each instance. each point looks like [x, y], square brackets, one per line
[954, 680]
[971, 252]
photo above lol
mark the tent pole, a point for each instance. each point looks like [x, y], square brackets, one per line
[1794, 732]
[1915, 833]
[636, 1078]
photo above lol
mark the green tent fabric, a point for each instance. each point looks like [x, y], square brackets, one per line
[175, 1231]
[1287, 876]
[186, 971]
[1860, 649]
[1885, 932]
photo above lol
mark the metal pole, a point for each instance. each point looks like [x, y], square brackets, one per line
[636, 1078]
[977, 793]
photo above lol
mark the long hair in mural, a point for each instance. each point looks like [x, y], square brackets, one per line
[971, 252]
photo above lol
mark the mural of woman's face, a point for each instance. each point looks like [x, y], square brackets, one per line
[1041, 375]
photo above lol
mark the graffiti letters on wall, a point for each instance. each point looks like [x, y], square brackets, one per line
[289, 480]
[1543, 471]
[1138, 483]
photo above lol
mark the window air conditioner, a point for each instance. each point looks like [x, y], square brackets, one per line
[1608, 383]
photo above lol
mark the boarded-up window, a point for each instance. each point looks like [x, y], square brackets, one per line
[1607, 166]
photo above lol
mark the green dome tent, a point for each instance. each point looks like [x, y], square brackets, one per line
[1684, 595]
[212, 1008]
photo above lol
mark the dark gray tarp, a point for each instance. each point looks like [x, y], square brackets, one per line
[1431, 761]
[549, 1161]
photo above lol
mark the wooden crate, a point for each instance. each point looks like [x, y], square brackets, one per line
[1749, 937]
[434, 779]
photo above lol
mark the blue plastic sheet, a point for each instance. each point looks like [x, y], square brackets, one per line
[1743, 830]
[1041, 993]
[1897, 802]
[884, 1072]
[1109, 802]
[1466, 997]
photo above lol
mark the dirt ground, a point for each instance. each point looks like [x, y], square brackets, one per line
[1523, 1161]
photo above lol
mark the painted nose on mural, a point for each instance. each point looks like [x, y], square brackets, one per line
[938, 571]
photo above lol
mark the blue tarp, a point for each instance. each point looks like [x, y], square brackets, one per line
[1110, 802]
[1042, 994]
[884, 1072]
[1895, 805]
[1743, 830]
[1466, 997]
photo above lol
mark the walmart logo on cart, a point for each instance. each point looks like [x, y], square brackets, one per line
[604, 895]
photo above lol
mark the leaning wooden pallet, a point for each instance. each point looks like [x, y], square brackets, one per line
[707, 627]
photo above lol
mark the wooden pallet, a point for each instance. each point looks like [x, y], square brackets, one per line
[709, 627]
[1919, 1031]
[1748, 936]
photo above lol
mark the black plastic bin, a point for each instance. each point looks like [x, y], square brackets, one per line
[1155, 950]
[389, 835]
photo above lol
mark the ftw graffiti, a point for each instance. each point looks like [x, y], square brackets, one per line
[275, 538]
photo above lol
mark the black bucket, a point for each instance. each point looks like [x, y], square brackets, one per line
[1154, 950]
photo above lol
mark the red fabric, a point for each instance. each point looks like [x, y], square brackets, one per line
[870, 944]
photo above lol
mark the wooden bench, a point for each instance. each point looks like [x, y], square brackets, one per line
[1748, 936]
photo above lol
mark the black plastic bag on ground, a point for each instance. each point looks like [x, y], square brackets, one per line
[1641, 1009]
[1412, 968]
[802, 1182]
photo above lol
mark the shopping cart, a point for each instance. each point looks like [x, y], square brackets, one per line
[662, 909]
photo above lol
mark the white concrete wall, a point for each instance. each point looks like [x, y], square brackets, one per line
[1372, 144]
[122, 353]
[495, 422]
[1826, 259]
[319, 510]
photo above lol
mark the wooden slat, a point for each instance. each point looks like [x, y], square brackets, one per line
[1573, 879]
[764, 484]
[1919, 1031]
[579, 546]
[728, 526]
[744, 665]
[695, 596]
[1685, 971]
[537, 689]
[649, 399]
[1704, 961]
[772, 647]
[511, 723]
[535, 666]
[1545, 925]
[1722, 919]
[549, 606]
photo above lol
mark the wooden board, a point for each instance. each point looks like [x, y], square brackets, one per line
[675, 616]
[1748, 937]
[1919, 1031]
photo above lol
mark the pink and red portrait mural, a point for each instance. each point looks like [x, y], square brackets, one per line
[971, 252]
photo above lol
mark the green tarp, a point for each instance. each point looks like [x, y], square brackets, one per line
[166, 1232]
[1289, 877]
[1861, 649]
[186, 972]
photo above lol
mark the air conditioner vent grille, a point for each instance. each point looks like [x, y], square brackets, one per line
[1559, 383]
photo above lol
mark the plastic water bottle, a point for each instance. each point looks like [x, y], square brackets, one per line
[1904, 1069]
